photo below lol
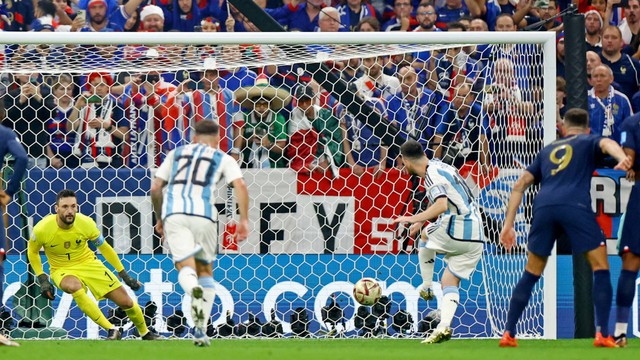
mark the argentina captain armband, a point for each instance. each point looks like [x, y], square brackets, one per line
[436, 191]
[99, 241]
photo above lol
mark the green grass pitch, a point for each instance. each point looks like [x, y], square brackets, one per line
[311, 349]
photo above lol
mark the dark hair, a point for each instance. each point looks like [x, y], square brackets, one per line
[577, 117]
[505, 15]
[456, 25]
[207, 127]
[47, 7]
[66, 193]
[411, 150]
[375, 24]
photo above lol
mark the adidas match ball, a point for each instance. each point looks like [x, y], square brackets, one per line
[367, 291]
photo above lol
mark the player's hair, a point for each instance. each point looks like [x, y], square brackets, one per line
[576, 117]
[65, 194]
[207, 127]
[411, 150]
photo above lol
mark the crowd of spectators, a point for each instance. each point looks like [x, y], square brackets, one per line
[462, 103]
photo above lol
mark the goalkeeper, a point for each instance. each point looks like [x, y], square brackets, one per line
[65, 237]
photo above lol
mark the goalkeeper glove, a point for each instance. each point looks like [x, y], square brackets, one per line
[46, 288]
[134, 284]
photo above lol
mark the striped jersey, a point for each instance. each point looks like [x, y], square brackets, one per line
[192, 172]
[462, 218]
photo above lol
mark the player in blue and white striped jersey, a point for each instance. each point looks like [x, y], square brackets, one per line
[455, 229]
[187, 217]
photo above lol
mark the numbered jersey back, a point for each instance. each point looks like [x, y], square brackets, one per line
[564, 169]
[191, 173]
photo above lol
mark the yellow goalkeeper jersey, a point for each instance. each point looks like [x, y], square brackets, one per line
[66, 247]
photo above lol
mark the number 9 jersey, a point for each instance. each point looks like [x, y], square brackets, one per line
[565, 168]
[192, 173]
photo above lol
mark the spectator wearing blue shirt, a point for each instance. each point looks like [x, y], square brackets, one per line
[184, 17]
[305, 18]
[403, 19]
[412, 109]
[103, 18]
[626, 70]
[355, 10]
[607, 107]
[455, 9]
[461, 134]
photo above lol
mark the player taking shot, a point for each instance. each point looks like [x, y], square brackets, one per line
[75, 268]
[563, 169]
[187, 216]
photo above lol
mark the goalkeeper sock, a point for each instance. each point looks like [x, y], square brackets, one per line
[137, 318]
[624, 299]
[427, 259]
[208, 295]
[519, 300]
[188, 279]
[602, 298]
[450, 300]
[91, 309]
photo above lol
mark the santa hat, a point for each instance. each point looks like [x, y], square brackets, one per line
[559, 37]
[593, 10]
[151, 10]
[106, 78]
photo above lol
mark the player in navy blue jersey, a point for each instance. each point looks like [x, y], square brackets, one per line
[564, 169]
[9, 144]
[629, 237]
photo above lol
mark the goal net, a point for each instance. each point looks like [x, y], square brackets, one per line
[315, 121]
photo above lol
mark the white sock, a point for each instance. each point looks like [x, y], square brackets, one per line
[427, 259]
[450, 300]
[208, 295]
[188, 279]
[621, 328]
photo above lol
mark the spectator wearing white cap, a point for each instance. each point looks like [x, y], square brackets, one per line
[152, 18]
[101, 18]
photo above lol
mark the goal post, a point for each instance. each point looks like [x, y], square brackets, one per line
[321, 205]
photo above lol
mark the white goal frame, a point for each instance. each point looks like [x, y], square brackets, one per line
[544, 39]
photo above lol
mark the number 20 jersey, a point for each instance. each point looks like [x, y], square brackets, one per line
[192, 172]
[564, 170]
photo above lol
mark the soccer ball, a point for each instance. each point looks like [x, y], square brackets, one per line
[367, 291]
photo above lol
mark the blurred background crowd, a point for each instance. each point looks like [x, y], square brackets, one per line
[476, 107]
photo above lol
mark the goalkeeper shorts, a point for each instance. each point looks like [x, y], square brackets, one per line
[93, 275]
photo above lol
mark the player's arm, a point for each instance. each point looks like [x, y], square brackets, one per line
[156, 200]
[610, 147]
[33, 253]
[437, 194]
[508, 234]
[112, 258]
[242, 196]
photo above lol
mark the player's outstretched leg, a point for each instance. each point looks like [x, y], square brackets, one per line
[624, 299]
[426, 258]
[137, 318]
[91, 309]
[519, 300]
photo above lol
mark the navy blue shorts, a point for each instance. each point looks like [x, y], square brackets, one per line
[550, 222]
[629, 240]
